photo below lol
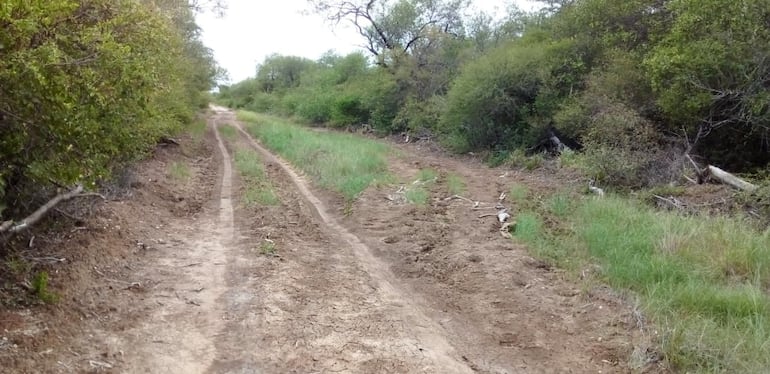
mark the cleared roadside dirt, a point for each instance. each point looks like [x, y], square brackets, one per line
[177, 279]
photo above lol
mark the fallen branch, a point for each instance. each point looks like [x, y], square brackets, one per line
[40, 212]
[458, 197]
[693, 181]
[730, 179]
[699, 173]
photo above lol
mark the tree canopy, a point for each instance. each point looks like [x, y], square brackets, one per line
[631, 82]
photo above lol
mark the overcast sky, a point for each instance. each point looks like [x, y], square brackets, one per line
[253, 29]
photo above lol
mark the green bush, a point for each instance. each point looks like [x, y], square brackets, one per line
[490, 101]
[89, 85]
[348, 110]
[316, 108]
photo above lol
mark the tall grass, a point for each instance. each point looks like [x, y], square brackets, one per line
[341, 162]
[703, 280]
[455, 184]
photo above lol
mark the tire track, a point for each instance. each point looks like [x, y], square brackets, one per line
[433, 341]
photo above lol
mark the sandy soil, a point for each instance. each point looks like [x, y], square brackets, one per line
[177, 279]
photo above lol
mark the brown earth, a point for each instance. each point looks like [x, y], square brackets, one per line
[183, 277]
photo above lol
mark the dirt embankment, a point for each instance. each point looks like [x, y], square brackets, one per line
[185, 277]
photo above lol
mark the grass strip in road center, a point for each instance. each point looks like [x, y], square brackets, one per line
[341, 162]
[258, 188]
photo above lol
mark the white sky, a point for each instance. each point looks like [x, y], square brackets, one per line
[253, 29]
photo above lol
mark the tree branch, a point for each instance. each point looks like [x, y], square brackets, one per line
[33, 218]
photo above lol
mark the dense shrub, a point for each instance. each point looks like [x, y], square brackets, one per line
[90, 84]
[490, 101]
[667, 72]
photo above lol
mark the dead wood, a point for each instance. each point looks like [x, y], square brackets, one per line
[699, 172]
[729, 179]
[720, 175]
[33, 218]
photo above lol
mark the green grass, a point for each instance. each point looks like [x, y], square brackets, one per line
[340, 162]
[417, 195]
[427, 175]
[559, 204]
[197, 129]
[179, 171]
[267, 248]
[518, 193]
[455, 184]
[40, 288]
[228, 132]
[704, 281]
[258, 188]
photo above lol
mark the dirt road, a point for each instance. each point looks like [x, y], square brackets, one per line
[194, 281]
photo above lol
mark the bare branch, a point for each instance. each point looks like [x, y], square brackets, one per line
[40, 212]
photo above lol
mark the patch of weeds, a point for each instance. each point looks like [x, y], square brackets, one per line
[344, 163]
[560, 205]
[529, 227]
[260, 195]
[258, 188]
[519, 193]
[427, 175]
[197, 129]
[40, 288]
[570, 159]
[497, 158]
[455, 184]
[18, 266]
[417, 195]
[228, 132]
[348, 209]
[518, 159]
[267, 248]
[179, 171]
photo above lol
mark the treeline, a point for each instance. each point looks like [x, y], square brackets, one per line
[87, 85]
[634, 85]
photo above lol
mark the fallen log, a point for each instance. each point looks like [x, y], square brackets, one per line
[10, 227]
[730, 179]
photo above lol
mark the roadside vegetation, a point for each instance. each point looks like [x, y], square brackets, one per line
[628, 94]
[704, 281]
[86, 88]
[90, 86]
[630, 86]
[340, 162]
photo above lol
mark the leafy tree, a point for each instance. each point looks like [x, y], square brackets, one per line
[711, 71]
[490, 102]
[394, 28]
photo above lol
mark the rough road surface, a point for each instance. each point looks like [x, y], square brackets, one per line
[184, 278]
